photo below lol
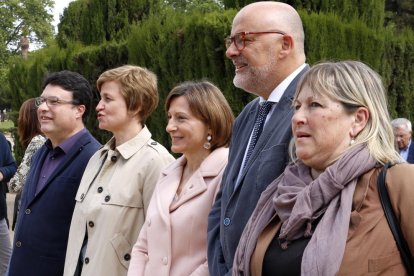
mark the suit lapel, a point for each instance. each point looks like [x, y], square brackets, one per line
[277, 120]
[34, 174]
[68, 158]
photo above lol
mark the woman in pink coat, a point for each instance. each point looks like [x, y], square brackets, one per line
[173, 240]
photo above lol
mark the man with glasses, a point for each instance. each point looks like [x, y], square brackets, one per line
[266, 46]
[48, 198]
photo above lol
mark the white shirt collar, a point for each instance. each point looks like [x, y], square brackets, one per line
[277, 93]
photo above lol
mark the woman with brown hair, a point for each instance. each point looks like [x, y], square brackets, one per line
[173, 240]
[31, 138]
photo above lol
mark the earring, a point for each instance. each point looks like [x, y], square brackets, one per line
[207, 145]
[352, 141]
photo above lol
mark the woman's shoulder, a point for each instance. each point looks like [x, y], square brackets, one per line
[400, 178]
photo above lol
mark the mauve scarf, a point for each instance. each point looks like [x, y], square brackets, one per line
[298, 200]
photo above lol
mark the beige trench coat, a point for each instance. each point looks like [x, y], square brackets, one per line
[173, 240]
[111, 204]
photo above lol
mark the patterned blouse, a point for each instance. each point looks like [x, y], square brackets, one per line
[17, 182]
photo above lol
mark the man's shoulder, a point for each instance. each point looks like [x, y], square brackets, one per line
[87, 141]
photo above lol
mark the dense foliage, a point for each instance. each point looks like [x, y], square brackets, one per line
[182, 42]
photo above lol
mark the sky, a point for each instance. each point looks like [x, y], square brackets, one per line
[58, 10]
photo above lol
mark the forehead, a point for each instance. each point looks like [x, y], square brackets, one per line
[253, 20]
[401, 131]
[56, 91]
[306, 92]
[110, 86]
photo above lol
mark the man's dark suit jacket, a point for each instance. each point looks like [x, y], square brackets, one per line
[42, 228]
[233, 207]
[410, 157]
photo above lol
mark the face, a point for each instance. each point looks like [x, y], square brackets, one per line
[188, 133]
[112, 111]
[61, 121]
[255, 65]
[321, 129]
[403, 137]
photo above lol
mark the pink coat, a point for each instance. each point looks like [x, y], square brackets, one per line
[173, 240]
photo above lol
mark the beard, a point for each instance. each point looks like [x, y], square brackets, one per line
[256, 80]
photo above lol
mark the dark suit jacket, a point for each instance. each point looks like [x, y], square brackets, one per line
[7, 168]
[233, 207]
[42, 228]
[410, 157]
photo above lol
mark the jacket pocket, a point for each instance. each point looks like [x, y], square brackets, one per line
[122, 249]
[119, 199]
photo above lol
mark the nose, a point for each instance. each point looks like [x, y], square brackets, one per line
[232, 51]
[43, 106]
[170, 126]
[298, 117]
[99, 106]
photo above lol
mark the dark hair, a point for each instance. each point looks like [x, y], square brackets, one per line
[207, 103]
[28, 125]
[75, 83]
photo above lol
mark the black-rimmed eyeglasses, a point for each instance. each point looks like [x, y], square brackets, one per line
[52, 101]
[239, 39]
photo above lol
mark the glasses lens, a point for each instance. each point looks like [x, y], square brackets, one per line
[38, 101]
[238, 41]
[52, 100]
[227, 42]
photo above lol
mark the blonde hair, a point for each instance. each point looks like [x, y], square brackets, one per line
[138, 87]
[208, 104]
[355, 84]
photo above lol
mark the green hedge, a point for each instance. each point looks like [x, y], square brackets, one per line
[181, 46]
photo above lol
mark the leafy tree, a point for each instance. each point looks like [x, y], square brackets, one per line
[29, 18]
[21, 20]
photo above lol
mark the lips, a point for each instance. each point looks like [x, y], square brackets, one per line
[239, 65]
[175, 139]
[301, 134]
[45, 118]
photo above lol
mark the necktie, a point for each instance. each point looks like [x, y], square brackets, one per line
[258, 127]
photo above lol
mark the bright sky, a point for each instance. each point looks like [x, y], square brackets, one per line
[58, 11]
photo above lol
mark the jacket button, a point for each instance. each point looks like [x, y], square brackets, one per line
[107, 198]
[127, 257]
[86, 260]
[18, 244]
[226, 222]
[154, 143]
[91, 224]
[100, 189]
[82, 196]
[27, 211]
[165, 260]
[114, 158]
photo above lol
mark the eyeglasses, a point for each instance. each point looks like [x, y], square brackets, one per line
[51, 101]
[239, 39]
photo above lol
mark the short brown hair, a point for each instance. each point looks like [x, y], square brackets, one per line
[207, 103]
[138, 87]
[28, 125]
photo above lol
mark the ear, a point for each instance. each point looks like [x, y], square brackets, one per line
[361, 117]
[287, 46]
[80, 109]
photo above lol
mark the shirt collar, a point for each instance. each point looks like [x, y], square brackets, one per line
[66, 145]
[277, 93]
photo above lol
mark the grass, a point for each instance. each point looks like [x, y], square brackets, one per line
[6, 126]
